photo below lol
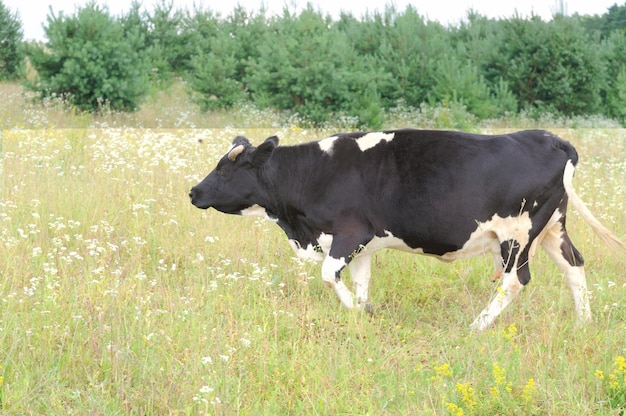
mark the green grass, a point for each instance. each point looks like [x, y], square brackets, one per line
[119, 297]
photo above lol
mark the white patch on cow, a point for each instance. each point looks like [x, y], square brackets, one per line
[330, 268]
[325, 241]
[489, 234]
[568, 175]
[257, 211]
[364, 142]
[311, 252]
[327, 144]
[372, 139]
[307, 253]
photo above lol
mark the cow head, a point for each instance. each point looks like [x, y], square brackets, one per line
[234, 185]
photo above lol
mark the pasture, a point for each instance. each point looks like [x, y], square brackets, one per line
[117, 296]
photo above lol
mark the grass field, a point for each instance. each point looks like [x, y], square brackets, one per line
[117, 296]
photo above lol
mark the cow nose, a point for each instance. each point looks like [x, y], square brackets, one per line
[192, 193]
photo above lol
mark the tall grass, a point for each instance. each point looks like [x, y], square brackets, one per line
[119, 297]
[172, 108]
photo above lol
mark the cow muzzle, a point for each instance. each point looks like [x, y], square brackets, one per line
[194, 197]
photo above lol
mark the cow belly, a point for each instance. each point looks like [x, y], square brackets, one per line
[480, 242]
[388, 241]
[485, 239]
[488, 236]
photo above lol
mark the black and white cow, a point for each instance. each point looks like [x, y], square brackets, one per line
[446, 194]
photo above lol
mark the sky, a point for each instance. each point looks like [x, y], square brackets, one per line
[33, 13]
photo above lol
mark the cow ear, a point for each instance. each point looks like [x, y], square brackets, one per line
[264, 151]
[241, 140]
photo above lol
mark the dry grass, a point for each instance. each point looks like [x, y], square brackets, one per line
[171, 108]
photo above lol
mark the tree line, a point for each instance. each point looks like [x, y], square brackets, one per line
[323, 68]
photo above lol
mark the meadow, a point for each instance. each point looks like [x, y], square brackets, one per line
[118, 297]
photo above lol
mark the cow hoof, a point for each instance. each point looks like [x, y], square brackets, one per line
[368, 308]
[497, 275]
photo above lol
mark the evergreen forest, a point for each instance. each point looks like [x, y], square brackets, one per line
[322, 68]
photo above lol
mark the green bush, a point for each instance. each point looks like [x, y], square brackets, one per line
[550, 66]
[353, 69]
[614, 56]
[91, 60]
[220, 62]
[136, 23]
[167, 34]
[11, 57]
[409, 52]
[212, 78]
[307, 66]
[461, 82]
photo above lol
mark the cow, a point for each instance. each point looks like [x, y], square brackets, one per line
[447, 194]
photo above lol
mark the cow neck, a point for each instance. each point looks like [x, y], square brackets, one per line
[286, 178]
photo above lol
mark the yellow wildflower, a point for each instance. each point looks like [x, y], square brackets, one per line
[454, 409]
[443, 370]
[620, 365]
[529, 390]
[499, 377]
[510, 332]
[467, 395]
[498, 374]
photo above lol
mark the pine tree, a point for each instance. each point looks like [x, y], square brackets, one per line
[11, 36]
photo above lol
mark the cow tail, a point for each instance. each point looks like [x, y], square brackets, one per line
[607, 236]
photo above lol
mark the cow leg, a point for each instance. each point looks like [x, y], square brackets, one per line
[361, 271]
[331, 275]
[511, 287]
[570, 262]
[513, 280]
[498, 263]
[345, 249]
[498, 266]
